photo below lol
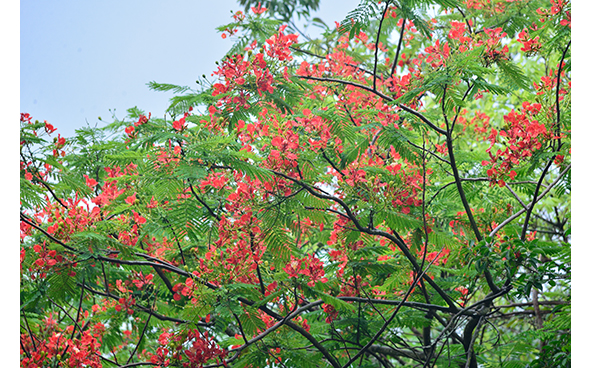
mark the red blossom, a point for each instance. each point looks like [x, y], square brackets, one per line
[259, 9]
[91, 183]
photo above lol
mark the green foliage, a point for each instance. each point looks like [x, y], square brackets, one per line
[298, 208]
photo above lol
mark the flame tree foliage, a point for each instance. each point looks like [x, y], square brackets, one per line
[393, 192]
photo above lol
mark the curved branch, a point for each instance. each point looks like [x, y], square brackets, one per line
[450, 151]
[558, 93]
[54, 239]
[377, 93]
[520, 212]
[375, 63]
[416, 305]
[42, 182]
[530, 208]
[398, 48]
[203, 202]
[140, 307]
[386, 350]
[315, 192]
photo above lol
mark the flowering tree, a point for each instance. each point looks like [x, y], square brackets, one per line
[394, 192]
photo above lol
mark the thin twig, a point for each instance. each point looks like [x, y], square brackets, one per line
[385, 325]
[25, 220]
[79, 309]
[142, 335]
[375, 63]
[558, 94]
[385, 97]
[203, 203]
[535, 198]
[178, 244]
[398, 48]
[29, 330]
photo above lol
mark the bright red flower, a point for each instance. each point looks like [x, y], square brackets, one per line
[258, 9]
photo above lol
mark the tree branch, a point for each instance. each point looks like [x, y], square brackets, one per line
[558, 94]
[203, 202]
[398, 47]
[314, 191]
[141, 336]
[377, 93]
[375, 63]
[517, 214]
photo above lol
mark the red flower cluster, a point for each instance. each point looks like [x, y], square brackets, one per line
[279, 45]
[190, 349]
[130, 130]
[523, 137]
[530, 45]
[309, 266]
[53, 344]
[558, 8]
[331, 312]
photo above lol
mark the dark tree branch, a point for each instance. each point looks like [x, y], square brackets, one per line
[203, 202]
[430, 152]
[450, 150]
[466, 19]
[29, 330]
[375, 63]
[79, 310]
[142, 335]
[76, 325]
[416, 305]
[558, 94]
[517, 214]
[377, 93]
[164, 278]
[139, 307]
[175, 239]
[261, 283]
[25, 220]
[542, 302]
[385, 325]
[106, 281]
[240, 327]
[25, 349]
[315, 192]
[130, 365]
[535, 198]
[42, 182]
[470, 334]
[386, 350]
[331, 163]
[398, 48]
[516, 196]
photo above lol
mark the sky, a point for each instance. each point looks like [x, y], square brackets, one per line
[79, 59]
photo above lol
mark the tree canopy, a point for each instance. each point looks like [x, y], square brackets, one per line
[393, 192]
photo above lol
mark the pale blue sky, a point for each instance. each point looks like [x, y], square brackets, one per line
[79, 59]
